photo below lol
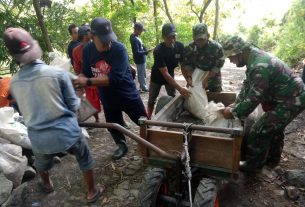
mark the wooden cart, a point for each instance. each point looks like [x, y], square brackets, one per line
[210, 156]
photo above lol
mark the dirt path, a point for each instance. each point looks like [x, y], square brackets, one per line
[122, 178]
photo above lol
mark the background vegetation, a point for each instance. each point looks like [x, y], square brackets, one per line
[48, 21]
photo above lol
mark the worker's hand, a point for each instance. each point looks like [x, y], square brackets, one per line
[227, 113]
[189, 81]
[184, 92]
[80, 82]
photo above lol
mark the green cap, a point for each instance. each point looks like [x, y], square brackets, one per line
[200, 31]
[234, 45]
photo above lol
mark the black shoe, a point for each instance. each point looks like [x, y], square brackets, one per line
[246, 167]
[120, 151]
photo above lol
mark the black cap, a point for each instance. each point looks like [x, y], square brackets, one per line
[168, 30]
[102, 28]
[139, 25]
[83, 30]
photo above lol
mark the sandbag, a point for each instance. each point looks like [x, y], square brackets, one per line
[59, 61]
[198, 100]
[12, 163]
[13, 131]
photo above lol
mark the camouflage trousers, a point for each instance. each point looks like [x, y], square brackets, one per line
[265, 141]
[215, 83]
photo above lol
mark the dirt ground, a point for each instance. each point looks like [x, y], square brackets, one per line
[122, 178]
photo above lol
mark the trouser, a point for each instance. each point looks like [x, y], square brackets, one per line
[141, 68]
[266, 138]
[154, 90]
[133, 108]
[214, 83]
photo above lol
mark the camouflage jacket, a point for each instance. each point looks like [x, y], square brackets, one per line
[208, 58]
[268, 81]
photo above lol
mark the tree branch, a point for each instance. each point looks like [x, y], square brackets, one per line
[204, 9]
[167, 12]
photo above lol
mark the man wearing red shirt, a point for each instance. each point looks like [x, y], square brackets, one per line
[91, 92]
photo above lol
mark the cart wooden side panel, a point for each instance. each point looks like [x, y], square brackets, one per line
[205, 150]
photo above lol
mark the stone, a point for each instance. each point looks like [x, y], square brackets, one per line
[19, 196]
[6, 188]
[121, 193]
[135, 193]
[296, 177]
[129, 172]
[124, 185]
[292, 193]
[279, 192]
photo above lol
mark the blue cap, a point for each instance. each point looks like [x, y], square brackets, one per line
[102, 28]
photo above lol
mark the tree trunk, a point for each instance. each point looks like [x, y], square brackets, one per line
[156, 20]
[216, 19]
[134, 19]
[167, 12]
[42, 25]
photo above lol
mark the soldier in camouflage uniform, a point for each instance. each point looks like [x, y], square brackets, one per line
[271, 83]
[203, 54]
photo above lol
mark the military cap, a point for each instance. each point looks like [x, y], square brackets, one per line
[234, 45]
[200, 31]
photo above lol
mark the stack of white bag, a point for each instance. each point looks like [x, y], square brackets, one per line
[13, 136]
[13, 131]
[197, 104]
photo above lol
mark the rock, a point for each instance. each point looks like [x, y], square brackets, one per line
[29, 174]
[292, 193]
[124, 185]
[134, 193]
[279, 170]
[279, 192]
[121, 193]
[129, 172]
[6, 188]
[296, 177]
[19, 197]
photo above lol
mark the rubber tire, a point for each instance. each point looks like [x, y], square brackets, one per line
[150, 187]
[206, 193]
[162, 101]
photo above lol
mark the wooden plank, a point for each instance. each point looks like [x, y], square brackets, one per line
[204, 150]
[141, 149]
[225, 97]
[212, 151]
[166, 140]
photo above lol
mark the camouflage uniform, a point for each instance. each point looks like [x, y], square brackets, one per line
[271, 83]
[208, 58]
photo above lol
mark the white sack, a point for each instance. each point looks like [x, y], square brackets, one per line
[198, 100]
[13, 131]
[12, 163]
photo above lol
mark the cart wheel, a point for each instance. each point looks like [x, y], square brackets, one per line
[207, 194]
[162, 102]
[154, 184]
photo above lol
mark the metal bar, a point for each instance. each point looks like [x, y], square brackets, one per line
[234, 131]
[133, 136]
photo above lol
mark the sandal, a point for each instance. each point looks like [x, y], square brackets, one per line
[98, 194]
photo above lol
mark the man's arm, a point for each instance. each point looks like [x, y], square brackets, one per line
[170, 80]
[258, 83]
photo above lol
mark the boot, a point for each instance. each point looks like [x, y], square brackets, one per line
[120, 151]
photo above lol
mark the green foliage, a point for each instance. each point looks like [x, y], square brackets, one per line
[291, 41]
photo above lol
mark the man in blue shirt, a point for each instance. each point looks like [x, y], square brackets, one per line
[106, 65]
[139, 55]
[47, 100]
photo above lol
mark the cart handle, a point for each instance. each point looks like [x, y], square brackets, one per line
[233, 131]
[130, 134]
